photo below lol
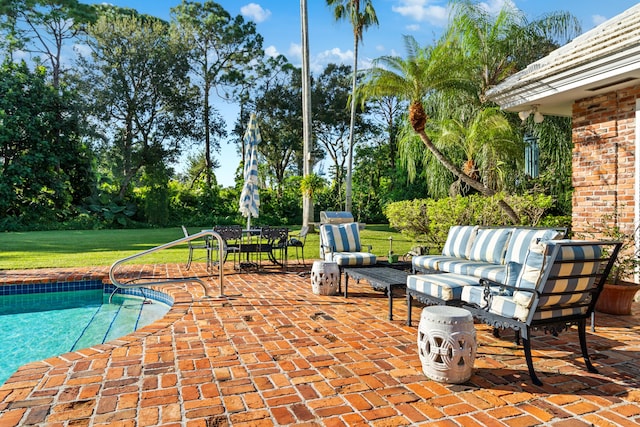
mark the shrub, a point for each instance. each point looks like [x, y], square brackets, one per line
[429, 220]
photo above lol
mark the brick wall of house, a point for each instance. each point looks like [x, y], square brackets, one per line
[603, 159]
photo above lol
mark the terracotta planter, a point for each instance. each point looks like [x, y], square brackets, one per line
[617, 299]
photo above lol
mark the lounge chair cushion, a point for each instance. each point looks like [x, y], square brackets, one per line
[536, 267]
[345, 259]
[341, 237]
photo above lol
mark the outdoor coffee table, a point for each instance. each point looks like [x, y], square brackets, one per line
[380, 278]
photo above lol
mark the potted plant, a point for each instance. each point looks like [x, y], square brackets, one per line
[620, 288]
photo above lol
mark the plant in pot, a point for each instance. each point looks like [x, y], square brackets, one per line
[621, 287]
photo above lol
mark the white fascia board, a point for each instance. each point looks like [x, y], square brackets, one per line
[568, 85]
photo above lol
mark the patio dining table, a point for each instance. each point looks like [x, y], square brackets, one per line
[257, 241]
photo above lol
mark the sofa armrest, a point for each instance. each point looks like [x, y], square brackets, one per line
[503, 290]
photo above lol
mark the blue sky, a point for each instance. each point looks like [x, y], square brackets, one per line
[278, 21]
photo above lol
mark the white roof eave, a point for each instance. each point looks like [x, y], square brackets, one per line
[599, 61]
[557, 92]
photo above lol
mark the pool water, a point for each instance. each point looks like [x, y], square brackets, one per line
[41, 325]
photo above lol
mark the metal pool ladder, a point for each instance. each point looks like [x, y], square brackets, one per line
[130, 285]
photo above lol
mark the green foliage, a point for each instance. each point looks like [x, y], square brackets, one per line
[608, 227]
[43, 160]
[429, 220]
[110, 211]
[311, 184]
[148, 85]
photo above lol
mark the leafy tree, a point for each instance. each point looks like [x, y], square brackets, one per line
[222, 50]
[361, 15]
[280, 111]
[41, 175]
[139, 95]
[43, 26]
[331, 118]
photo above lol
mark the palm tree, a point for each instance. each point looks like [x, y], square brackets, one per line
[423, 71]
[488, 144]
[500, 44]
[362, 15]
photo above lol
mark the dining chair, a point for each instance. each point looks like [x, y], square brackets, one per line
[298, 240]
[277, 241]
[199, 245]
[232, 237]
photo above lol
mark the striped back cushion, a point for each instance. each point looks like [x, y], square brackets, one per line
[572, 277]
[563, 275]
[459, 241]
[520, 240]
[341, 237]
[490, 245]
[531, 271]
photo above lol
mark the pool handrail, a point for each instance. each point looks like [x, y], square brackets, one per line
[182, 240]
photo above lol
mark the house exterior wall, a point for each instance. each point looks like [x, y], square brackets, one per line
[604, 149]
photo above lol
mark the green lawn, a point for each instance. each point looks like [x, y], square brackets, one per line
[82, 248]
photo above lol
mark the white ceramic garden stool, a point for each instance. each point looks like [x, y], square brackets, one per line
[325, 277]
[447, 343]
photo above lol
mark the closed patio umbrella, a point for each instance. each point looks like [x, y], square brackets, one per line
[250, 198]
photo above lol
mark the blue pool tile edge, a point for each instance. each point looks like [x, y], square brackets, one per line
[82, 285]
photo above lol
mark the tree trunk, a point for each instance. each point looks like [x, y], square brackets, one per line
[307, 164]
[475, 184]
[352, 124]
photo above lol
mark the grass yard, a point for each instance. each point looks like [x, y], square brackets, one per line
[82, 248]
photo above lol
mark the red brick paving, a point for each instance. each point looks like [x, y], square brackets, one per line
[272, 353]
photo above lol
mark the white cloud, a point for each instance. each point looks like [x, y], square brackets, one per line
[271, 51]
[336, 55]
[255, 12]
[598, 19]
[494, 6]
[423, 11]
[318, 62]
[412, 27]
[295, 51]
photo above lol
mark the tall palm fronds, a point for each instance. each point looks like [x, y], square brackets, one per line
[503, 43]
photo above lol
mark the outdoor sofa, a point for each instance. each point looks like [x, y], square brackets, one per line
[516, 278]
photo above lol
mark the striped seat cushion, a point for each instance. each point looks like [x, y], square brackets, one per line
[446, 286]
[345, 259]
[475, 294]
[425, 263]
[506, 306]
[490, 245]
[480, 270]
[459, 241]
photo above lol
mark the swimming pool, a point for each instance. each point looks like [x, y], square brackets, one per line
[44, 320]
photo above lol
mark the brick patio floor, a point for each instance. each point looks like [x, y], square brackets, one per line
[273, 353]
